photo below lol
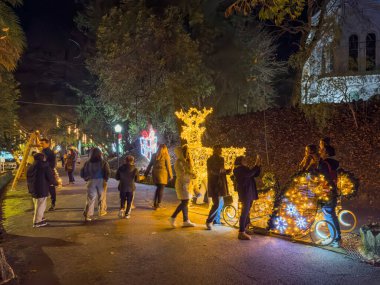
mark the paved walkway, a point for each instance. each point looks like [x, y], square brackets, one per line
[145, 250]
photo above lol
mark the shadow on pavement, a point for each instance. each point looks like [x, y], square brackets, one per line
[28, 259]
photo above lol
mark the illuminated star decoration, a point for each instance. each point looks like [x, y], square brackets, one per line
[281, 224]
[301, 223]
[291, 210]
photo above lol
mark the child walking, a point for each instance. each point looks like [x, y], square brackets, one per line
[127, 174]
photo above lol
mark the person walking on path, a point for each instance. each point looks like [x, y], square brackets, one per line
[161, 173]
[183, 184]
[39, 178]
[70, 165]
[51, 160]
[127, 174]
[217, 183]
[96, 172]
[247, 191]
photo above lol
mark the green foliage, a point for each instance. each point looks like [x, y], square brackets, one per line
[12, 38]
[147, 65]
[9, 93]
[276, 11]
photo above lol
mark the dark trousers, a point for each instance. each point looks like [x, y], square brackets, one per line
[53, 194]
[159, 194]
[184, 207]
[330, 216]
[126, 197]
[245, 215]
[214, 210]
[71, 176]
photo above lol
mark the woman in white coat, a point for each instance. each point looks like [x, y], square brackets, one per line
[184, 176]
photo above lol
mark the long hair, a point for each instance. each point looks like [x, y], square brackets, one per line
[96, 155]
[162, 152]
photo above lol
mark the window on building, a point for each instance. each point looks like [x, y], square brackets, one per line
[370, 51]
[353, 53]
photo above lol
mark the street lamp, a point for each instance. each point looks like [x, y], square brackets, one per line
[118, 129]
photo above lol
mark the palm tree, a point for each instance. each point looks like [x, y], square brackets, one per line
[12, 38]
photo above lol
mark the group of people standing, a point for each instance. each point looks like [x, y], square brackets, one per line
[96, 172]
[321, 158]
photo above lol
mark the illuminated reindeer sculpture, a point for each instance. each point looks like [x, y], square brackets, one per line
[192, 132]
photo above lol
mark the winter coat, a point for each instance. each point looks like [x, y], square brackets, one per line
[50, 157]
[162, 169]
[184, 176]
[95, 170]
[70, 162]
[217, 181]
[127, 175]
[39, 177]
[246, 184]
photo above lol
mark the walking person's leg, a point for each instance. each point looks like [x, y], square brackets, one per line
[213, 212]
[91, 199]
[217, 220]
[160, 194]
[155, 200]
[123, 198]
[101, 188]
[40, 207]
[53, 196]
[243, 221]
[129, 204]
[330, 216]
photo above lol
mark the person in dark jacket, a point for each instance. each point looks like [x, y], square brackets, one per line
[246, 188]
[70, 165]
[51, 159]
[217, 183]
[39, 178]
[331, 165]
[96, 173]
[127, 174]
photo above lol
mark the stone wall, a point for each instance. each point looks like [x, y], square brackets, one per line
[288, 132]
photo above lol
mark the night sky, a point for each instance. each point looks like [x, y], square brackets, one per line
[48, 63]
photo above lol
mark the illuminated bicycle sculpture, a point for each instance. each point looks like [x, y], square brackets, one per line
[296, 212]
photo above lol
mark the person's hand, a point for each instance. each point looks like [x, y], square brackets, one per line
[258, 160]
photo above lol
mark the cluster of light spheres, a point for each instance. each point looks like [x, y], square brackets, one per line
[345, 184]
[298, 208]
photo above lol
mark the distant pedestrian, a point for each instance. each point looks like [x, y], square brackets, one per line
[247, 191]
[51, 159]
[161, 173]
[217, 184]
[40, 177]
[96, 173]
[70, 165]
[127, 174]
[184, 176]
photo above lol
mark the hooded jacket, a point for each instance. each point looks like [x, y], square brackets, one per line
[39, 177]
[245, 180]
[127, 175]
[184, 175]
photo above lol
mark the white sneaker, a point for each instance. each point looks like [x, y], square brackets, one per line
[127, 216]
[88, 219]
[209, 226]
[121, 213]
[172, 222]
[188, 223]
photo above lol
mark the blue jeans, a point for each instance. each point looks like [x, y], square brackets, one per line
[219, 211]
[330, 216]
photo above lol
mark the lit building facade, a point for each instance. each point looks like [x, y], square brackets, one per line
[345, 63]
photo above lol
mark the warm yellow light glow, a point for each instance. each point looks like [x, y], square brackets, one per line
[192, 132]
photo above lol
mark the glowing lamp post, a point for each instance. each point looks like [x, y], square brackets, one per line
[118, 130]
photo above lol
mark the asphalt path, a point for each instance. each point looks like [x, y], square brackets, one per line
[146, 250]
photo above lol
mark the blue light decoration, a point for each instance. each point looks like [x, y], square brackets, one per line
[148, 143]
[301, 223]
[291, 210]
[281, 224]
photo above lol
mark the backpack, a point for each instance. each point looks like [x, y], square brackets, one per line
[31, 177]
